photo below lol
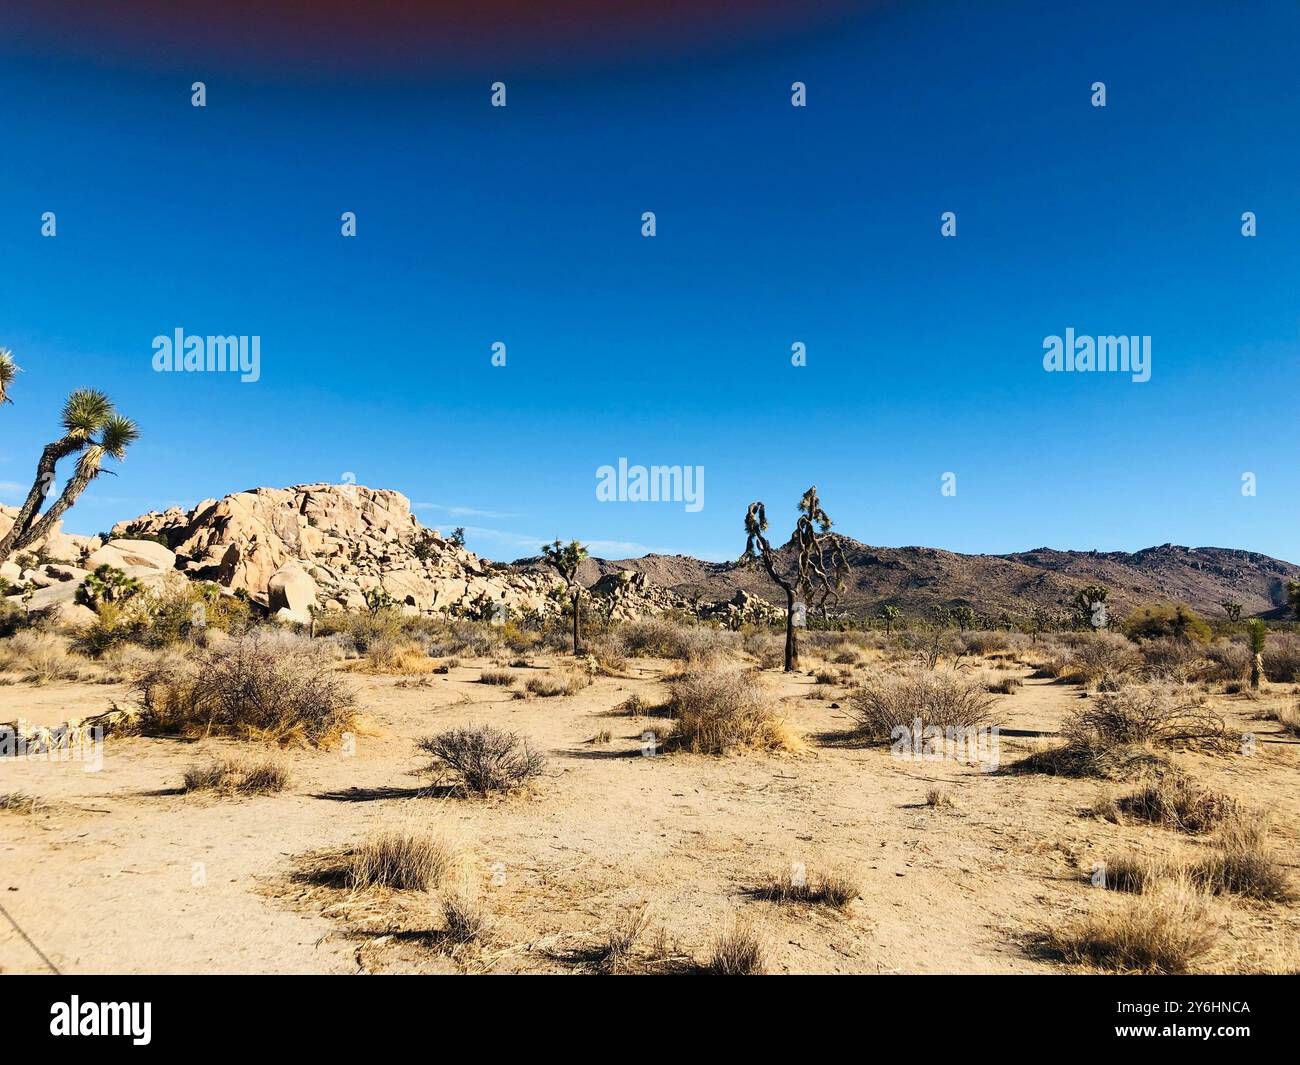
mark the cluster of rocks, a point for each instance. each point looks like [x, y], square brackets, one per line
[323, 546]
[626, 594]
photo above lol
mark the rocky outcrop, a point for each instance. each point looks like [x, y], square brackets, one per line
[332, 545]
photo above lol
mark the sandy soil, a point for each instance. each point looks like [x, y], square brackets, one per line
[122, 872]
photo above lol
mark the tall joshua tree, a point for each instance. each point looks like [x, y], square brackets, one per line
[93, 431]
[812, 540]
[565, 560]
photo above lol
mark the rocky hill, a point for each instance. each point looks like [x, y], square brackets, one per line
[916, 579]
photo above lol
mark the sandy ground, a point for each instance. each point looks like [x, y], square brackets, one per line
[124, 873]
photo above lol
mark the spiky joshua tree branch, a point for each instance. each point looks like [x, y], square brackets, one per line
[820, 566]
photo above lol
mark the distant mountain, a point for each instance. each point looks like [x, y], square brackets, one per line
[915, 579]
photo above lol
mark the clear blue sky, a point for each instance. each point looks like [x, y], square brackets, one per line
[775, 225]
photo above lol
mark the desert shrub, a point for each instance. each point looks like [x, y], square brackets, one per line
[835, 888]
[1173, 659]
[1162, 931]
[1282, 658]
[244, 776]
[1093, 658]
[985, 642]
[396, 656]
[558, 682]
[40, 657]
[1242, 863]
[1157, 714]
[1229, 661]
[738, 951]
[401, 860]
[1288, 717]
[941, 698]
[176, 611]
[267, 686]
[501, 678]
[1177, 802]
[715, 712]
[937, 798]
[1173, 621]
[1004, 685]
[483, 759]
[662, 638]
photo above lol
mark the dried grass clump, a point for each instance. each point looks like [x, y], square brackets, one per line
[396, 655]
[502, 678]
[739, 951]
[1288, 717]
[243, 776]
[568, 681]
[483, 759]
[1162, 931]
[41, 657]
[1129, 871]
[836, 888]
[1004, 685]
[1173, 801]
[936, 797]
[1158, 714]
[615, 954]
[464, 918]
[19, 802]
[723, 711]
[400, 860]
[263, 686]
[1282, 658]
[1242, 863]
[941, 698]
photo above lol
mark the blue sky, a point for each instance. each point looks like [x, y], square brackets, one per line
[775, 225]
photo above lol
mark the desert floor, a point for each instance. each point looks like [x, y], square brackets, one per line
[123, 872]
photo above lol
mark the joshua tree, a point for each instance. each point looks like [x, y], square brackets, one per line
[93, 430]
[963, 617]
[565, 560]
[1090, 606]
[8, 371]
[889, 614]
[1256, 634]
[1293, 596]
[1232, 609]
[811, 541]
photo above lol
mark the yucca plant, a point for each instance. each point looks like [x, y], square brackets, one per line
[565, 560]
[92, 430]
[1256, 634]
[812, 541]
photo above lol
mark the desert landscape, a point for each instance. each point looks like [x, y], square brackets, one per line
[295, 731]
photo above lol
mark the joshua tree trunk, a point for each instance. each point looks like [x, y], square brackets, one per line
[1256, 670]
[791, 642]
[577, 645]
[18, 536]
